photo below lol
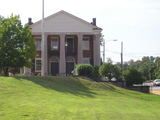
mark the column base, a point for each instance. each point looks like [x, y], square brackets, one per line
[62, 74]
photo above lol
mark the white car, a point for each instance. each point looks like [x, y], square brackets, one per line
[156, 82]
[148, 83]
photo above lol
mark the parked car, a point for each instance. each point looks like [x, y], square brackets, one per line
[113, 79]
[156, 82]
[148, 83]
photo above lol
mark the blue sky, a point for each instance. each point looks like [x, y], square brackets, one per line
[135, 22]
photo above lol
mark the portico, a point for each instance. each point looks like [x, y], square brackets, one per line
[68, 41]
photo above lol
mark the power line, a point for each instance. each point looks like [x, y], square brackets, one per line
[135, 54]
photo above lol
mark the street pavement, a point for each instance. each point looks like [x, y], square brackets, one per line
[155, 90]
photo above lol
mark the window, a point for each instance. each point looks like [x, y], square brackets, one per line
[54, 43]
[38, 44]
[37, 64]
[70, 44]
[86, 60]
[85, 43]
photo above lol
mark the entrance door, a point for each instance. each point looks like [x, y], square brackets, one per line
[54, 68]
[70, 45]
[69, 67]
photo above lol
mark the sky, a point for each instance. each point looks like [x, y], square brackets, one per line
[135, 22]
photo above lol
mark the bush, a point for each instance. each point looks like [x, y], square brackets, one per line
[85, 70]
[133, 76]
[96, 72]
[105, 69]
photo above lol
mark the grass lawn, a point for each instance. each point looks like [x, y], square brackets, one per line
[69, 98]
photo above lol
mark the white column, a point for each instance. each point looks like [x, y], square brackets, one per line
[62, 61]
[44, 57]
[43, 45]
[80, 52]
[96, 49]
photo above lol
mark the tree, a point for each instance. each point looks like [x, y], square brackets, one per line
[147, 66]
[17, 47]
[101, 39]
[109, 70]
[133, 76]
[157, 69]
[117, 72]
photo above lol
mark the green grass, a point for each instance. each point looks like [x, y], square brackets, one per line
[69, 98]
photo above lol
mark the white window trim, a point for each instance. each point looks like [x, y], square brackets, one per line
[37, 38]
[36, 64]
[36, 41]
[86, 39]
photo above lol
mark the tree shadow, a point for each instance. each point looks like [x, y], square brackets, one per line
[66, 85]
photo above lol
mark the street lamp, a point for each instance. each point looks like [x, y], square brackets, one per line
[104, 47]
[121, 54]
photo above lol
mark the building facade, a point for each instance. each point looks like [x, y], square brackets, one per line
[69, 40]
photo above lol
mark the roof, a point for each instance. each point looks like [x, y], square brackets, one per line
[68, 14]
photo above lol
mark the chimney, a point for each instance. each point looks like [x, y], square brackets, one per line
[94, 21]
[30, 21]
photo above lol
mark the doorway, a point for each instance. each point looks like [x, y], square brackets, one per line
[54, 68]
[69, 68]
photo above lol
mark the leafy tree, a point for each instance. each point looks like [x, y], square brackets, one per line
[17, 47]
[147, 67]
[109, 60]
[105, 70]
[133, 76]
[109, 70]
[117, 72]
[101, 39]
[157, 69]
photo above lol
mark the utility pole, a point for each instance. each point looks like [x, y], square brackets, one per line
[104, 50]
[122, 59]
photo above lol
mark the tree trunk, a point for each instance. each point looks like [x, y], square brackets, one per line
[5, 70]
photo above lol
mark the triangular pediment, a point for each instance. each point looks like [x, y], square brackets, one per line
[64, 22]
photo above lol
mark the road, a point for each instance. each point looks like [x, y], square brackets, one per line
[155, 90]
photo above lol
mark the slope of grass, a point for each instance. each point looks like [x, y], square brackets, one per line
[69, 98]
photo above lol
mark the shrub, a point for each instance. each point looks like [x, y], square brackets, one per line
[133, 76]
[104, 69]
[96, 72]
[85, 70]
